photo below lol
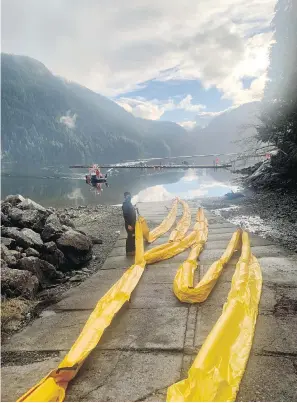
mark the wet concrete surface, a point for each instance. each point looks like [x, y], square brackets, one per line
[154, 338]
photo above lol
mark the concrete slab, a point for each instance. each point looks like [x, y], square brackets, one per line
[16, 380]
[268, 379]
[160, 273]
[276, 334]
[176, 260]
[118, 262]
[210, 255]
[212, 236]
[87, 294]
[219, 296]
[226, 275]
[159, 241]
[118, 251]
[255, 241]
[38, 336]
[272, 334]
[275, 270]
[220, 230]
[162, 328]
[206, 319]
[124, 376]
[154, 296]
[279, 269]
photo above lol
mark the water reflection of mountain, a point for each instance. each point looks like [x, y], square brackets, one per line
[62, 191]
[70, 188]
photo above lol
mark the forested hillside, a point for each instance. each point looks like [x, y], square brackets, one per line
[279, 116]
[233, 131]
[47, 120]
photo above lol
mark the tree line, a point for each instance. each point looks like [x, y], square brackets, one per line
[278, 120]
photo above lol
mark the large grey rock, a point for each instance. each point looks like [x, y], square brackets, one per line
[20, 238]
[51, 210]
[66, 228]
[44, 271]
[16, 254]
[15, 214]
[8, 242]
[33, 236]
[74, 241]
[52, 229]
[5, 207]
[66, 221]
[7, 256]
[76, 247]
[14, 199]
[53, 255]
[18, 283]
[33, 219]
[28, 204]
[3, 263]
[32, 252]
[4, 219]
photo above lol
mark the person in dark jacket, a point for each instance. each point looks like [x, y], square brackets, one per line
[129, 214]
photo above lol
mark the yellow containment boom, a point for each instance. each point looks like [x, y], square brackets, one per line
[166, 224]
[184, 279]
[219, 366]
[52, 388]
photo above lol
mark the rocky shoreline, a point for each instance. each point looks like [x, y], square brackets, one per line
[46, 251]
[270, 214]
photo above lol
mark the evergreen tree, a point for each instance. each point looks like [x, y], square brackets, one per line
[279, 117]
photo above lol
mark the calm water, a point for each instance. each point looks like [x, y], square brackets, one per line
[60, 189]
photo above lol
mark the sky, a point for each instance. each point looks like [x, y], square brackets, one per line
[183, 61]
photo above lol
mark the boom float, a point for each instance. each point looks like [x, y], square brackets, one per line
[216, 372]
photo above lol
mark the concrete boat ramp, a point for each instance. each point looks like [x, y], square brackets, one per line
[154, 338]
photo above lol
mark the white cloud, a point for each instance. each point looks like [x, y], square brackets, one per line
[186, 104]
[154, 109]
[69, 120]
[114, 46]
[214, 114]
[141, 108]
[188, 124]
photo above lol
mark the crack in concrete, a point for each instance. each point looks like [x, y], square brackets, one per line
[160, 390]
[269, 353]
[104, 381]
[153, 350]
[20, 358]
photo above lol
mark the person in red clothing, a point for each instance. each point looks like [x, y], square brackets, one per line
[98, 173]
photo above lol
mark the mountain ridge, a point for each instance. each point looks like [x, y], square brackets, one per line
[34, 101]
[47, 120]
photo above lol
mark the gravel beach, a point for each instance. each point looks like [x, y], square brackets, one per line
[270, 214]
